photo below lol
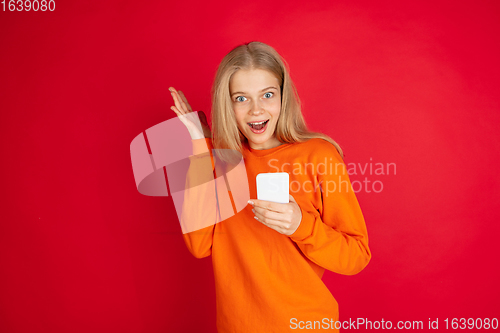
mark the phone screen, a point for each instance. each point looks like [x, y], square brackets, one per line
[273, 186]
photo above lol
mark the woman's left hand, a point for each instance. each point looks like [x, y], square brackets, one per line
[284, 218]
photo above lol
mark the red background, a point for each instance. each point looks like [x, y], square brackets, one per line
[416, 84]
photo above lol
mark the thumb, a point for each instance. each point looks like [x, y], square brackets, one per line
[291, 198]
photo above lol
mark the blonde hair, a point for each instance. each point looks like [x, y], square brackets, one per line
[290, 127]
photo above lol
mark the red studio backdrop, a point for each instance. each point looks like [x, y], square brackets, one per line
[410, 89]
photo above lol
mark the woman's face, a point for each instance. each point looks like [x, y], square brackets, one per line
[256, 97]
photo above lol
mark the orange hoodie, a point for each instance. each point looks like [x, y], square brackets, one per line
[269, 282]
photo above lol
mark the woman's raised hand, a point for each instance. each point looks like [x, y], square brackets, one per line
[186, 115]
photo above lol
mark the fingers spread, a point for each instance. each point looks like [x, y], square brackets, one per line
[173, 108]
[179, 104]
[185, 101]
[176, 102]
[181, 101]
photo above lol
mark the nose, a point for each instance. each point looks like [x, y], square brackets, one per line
[256, 109]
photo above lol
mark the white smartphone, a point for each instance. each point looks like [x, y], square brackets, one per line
[273, 186]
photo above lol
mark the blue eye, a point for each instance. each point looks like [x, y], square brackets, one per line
[269, 93]
[238, 99]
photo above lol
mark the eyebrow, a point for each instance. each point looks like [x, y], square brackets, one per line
[239, 92]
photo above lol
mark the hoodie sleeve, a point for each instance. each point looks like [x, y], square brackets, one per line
[334, 236]
[200, 208]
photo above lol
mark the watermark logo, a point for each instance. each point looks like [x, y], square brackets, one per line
[205, 189]
[331, 176]
[372, 173]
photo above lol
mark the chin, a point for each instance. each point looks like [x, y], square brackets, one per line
[260, 142]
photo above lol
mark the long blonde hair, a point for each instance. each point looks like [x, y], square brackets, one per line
[290, 127]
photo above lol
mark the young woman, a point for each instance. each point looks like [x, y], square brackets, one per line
[269, 258]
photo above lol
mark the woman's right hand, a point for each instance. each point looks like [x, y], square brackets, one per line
[186, 115]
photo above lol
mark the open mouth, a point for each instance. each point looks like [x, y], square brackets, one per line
[258, 126]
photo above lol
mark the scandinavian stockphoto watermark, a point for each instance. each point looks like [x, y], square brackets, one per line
[330, 176]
